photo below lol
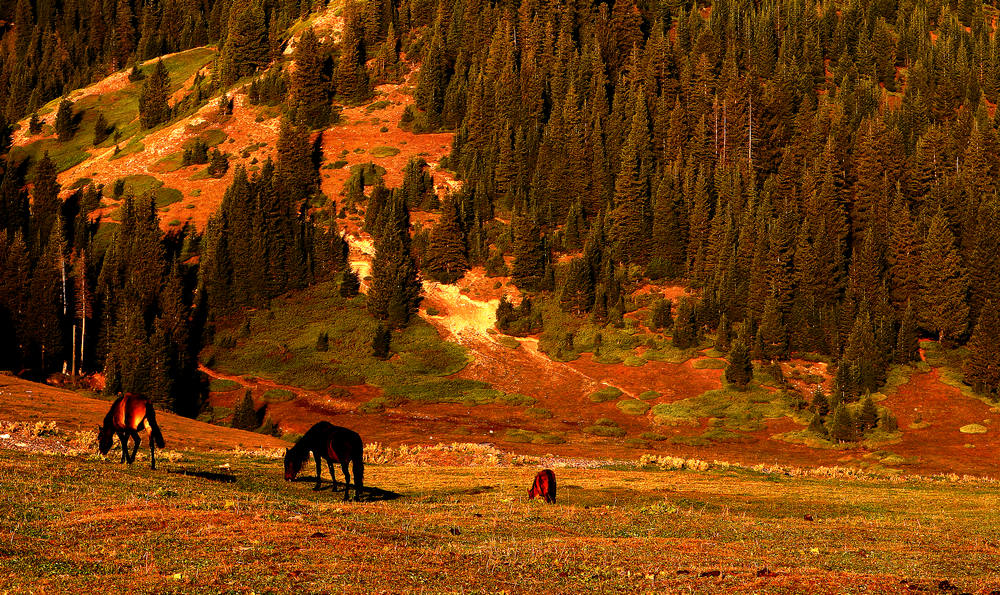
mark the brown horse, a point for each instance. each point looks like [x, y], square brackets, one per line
[544, 486]
[129, 414]
[336, 445]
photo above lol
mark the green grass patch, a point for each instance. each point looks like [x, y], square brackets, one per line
[222, 385]
[653, 436]
[532, 437]
[516, 400]
[382, 152]
[633, 406]
[608, 393]
[606, 428]
[634, 361]
[742, 410]
[507, 341]
[538, 413]
[709, 364]
[649, 395]
[281, 346]
[277, 395]
[170, 163]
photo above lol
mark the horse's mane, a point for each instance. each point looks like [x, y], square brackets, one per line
[299, 451]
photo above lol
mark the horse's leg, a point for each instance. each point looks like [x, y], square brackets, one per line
[333, 476]
[135, 448]
[319, 471]
[124, 440]
[152, 451]
[347, 479]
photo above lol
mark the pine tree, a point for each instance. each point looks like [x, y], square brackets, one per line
[816, 425]
[394, 295]
[446, 259]
[530, 255]
[65, 125]
[296, 176]
[246, 46]
[660, 316]
[907, 341]
[310, 91]
[153, 107]
[45, 201]
[578, 288]
[841, 427]
[245, 414]
[350, 284]
[867, 416]
[943, 286]
[102, 130]
[982, 367]
[352, 81]
[381, 342]
[739, 370]
[686, 326]
[820, 404]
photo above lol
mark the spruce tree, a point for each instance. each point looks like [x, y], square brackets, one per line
[381, 342]
[578, 288]
[310, 91]
[982, 366]
[153, 107]
[819, 402]
[943, 309]
[65, 125]
[446, 260]
[686, 327]
[529, 253]
[841, 426]
[660, 316]
[245, 414]
[102, 130]
[246, 46]
[867, 415]
[350, 284]
[739, 370]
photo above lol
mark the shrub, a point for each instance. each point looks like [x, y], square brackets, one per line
[608, 393]
[277, 395]
[649, 395]
[633, 406]
[605, 427]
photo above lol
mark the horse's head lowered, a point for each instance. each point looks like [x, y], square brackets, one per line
[293, 464]
[105, 434]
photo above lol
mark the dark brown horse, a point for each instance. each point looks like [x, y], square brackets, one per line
[335, 444]
[129, 414]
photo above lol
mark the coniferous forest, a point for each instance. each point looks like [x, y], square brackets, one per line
[822, 174]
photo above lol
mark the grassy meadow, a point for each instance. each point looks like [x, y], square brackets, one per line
[229, 523]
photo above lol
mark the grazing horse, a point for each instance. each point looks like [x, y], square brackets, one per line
[336, 445]
[544, 486]
[129, 414]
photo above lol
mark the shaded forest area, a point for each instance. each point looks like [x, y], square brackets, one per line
[823, 173]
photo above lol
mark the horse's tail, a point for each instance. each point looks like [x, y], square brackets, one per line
[154, 428]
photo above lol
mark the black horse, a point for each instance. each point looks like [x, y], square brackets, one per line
[336, 445]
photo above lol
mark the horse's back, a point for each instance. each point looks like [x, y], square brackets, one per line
[336, 442]
[129, 412]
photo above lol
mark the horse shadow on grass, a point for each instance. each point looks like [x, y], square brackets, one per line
[209, 475]
[368, 493]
